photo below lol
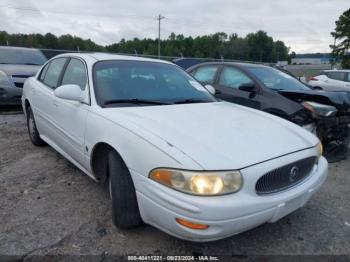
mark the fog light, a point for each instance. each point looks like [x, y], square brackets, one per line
[191, 225]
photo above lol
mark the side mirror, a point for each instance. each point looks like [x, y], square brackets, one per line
[248, 87]
[69, 92]
[211, 89]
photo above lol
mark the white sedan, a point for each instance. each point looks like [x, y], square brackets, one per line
[174, 156]
[332, 80]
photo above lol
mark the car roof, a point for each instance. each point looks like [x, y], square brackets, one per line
[337, 70]
[109, 56]
[239, 64]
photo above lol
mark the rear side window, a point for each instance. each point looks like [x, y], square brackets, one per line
[337, 75]
[234, 78]
[205, 74]
[53, 72]
[75, 74]
[43, 72]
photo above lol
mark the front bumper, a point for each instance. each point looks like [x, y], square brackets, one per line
[10, 95]
[228, 214]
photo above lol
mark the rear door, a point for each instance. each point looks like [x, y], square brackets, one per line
[228, 82]
[70, 116]
[206, 74]
[42, 98]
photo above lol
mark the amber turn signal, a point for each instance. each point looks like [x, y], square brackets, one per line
[191, 225]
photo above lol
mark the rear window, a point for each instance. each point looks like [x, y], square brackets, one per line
[22, 57]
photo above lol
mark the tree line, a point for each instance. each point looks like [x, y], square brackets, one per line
[341, 46]
[258, 46]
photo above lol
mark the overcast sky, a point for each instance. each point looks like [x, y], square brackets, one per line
[304, 25]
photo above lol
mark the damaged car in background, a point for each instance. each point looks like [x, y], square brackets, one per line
[326, 114]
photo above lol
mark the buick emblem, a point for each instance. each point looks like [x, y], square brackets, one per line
[293, 173]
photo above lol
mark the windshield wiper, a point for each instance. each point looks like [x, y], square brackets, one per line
[135, 101]
[190, 101]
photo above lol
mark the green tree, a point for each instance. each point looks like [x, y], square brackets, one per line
[261, 47]
[341, 34]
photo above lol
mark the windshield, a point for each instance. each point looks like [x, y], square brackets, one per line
[21, 57]
[148, 83]
[276, 79]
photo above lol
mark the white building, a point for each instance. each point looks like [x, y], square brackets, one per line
[306, 61]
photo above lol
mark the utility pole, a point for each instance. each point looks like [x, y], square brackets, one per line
[159, 18]
[334, 52]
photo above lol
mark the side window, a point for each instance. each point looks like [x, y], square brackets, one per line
[337, 75]
[53, 72]
[75, 74]
[43, 72]
[233, 78]
[205, 74]
[348, 77]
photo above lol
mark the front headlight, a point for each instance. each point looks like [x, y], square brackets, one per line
[3, 76]
[199, 182]
[319, 149]
[319, 109]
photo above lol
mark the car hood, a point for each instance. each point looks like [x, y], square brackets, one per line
[338, 99]
[20, 70]
[216, 135]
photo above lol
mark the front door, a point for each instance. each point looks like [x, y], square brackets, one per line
[228, 83]
[71, 115]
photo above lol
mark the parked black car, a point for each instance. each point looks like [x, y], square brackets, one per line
[327, 114]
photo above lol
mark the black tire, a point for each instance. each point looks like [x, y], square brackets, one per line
[125, 210]
[32, 130]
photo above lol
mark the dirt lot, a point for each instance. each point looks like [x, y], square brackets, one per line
[48, 207]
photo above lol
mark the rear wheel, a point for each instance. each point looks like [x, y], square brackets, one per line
[125, 210]
[32, 130]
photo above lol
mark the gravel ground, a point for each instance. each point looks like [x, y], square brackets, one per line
[49, 208]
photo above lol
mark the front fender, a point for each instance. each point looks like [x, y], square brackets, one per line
[140, 150]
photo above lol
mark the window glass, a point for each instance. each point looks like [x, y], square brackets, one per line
[348, 77]
[21, 56]
[43, 72]
[75, 74]
[276, 79]
[54, 71]
[206, 74]
[127, 80]
[233, 77]
[337, 75]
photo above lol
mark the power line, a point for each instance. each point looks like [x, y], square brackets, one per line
[28, 9]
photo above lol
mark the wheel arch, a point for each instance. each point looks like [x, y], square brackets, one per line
[99, 160]
[26, 105]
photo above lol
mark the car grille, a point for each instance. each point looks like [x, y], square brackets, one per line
[18, 80]
[285, 177]
[18, 84]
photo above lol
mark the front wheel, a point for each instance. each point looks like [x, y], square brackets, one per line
[32, 130]
[125, 210]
